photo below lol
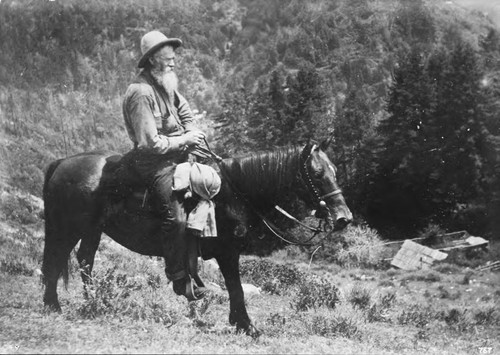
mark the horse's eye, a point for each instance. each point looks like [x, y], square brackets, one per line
[318, 173]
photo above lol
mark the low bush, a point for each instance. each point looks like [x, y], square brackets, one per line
[359, 297]
[315, 293]
[489, 315]
[379, 311]
[445, 294]
[457, 319]
[21, 252]
[417, 315]
[356, 246]
[15, 267]
[273, 278]
[112, 293]
[20, 207]
[334, 325]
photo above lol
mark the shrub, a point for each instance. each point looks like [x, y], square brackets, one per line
[417, 315]
[359, 297]
[315, 293]
[445, 294]
[457, 319]
[357, 246]
[378, 312]
[99, 295]
[487, 316]
[273, 278]
[112, 293]
[332, 326]
[20, 207]
[466, 278]
[21, 252]
[311, 291]
[431, 232]
[15, 267]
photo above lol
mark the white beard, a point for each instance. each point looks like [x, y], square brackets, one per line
[166, 79]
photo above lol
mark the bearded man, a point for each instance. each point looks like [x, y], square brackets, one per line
[160, 124]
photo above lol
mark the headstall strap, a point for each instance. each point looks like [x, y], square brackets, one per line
[275, 230]
[310, 183]
[333, 193]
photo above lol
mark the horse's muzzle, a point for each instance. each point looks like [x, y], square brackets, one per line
[341, 223]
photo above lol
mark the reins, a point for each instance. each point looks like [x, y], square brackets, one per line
[209, 153]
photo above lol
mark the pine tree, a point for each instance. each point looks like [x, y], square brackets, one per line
[307, 105]
[400, 187]
[459, 126]
[232, 124]
[352, 125]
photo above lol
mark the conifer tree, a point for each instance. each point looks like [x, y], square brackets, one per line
[353, 123]
[232, 123]
[459, 126]
[307, 105]
[401, 182]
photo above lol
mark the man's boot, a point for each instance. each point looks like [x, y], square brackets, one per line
[181, 263]
[192, 238]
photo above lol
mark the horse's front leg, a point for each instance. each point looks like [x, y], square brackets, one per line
[230, 268]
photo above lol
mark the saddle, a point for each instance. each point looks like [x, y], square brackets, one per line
[126, 191]
[124, 188]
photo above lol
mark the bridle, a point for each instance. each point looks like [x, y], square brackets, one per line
[303, 175]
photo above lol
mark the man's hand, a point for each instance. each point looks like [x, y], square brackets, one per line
[193, 138]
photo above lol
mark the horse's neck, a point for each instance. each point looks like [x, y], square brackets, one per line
[264, 178]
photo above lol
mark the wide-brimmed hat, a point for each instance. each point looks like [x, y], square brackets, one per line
[153, 41]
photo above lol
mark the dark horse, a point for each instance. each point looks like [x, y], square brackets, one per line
[78, 206]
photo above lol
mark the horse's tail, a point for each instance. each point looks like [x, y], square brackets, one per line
[52, 237]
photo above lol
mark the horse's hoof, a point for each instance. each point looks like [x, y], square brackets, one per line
[253, 331]
[249, 330]
[52, 308]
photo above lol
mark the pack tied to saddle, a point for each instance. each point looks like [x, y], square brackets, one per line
[204, 181]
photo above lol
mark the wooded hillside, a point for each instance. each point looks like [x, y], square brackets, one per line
[410, 89]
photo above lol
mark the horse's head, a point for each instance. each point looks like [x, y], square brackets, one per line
[318, 174]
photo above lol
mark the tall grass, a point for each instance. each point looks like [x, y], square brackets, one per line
[41, 126]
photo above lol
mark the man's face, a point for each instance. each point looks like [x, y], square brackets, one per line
[163, 63]
[164, 60]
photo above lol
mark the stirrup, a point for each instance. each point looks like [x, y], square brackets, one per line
[192, 293]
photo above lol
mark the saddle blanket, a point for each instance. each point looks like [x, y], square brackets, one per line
[205, 182]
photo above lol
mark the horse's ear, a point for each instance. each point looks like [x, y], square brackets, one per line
[326, 142]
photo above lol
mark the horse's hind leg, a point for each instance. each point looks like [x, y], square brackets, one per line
[57, 249]
[86, 254]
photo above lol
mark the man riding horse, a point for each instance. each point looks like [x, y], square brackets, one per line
[160, 124]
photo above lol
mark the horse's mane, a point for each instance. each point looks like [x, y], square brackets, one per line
[263, 175]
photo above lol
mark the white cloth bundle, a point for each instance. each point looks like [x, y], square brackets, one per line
[202, 218]
[205, 182]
